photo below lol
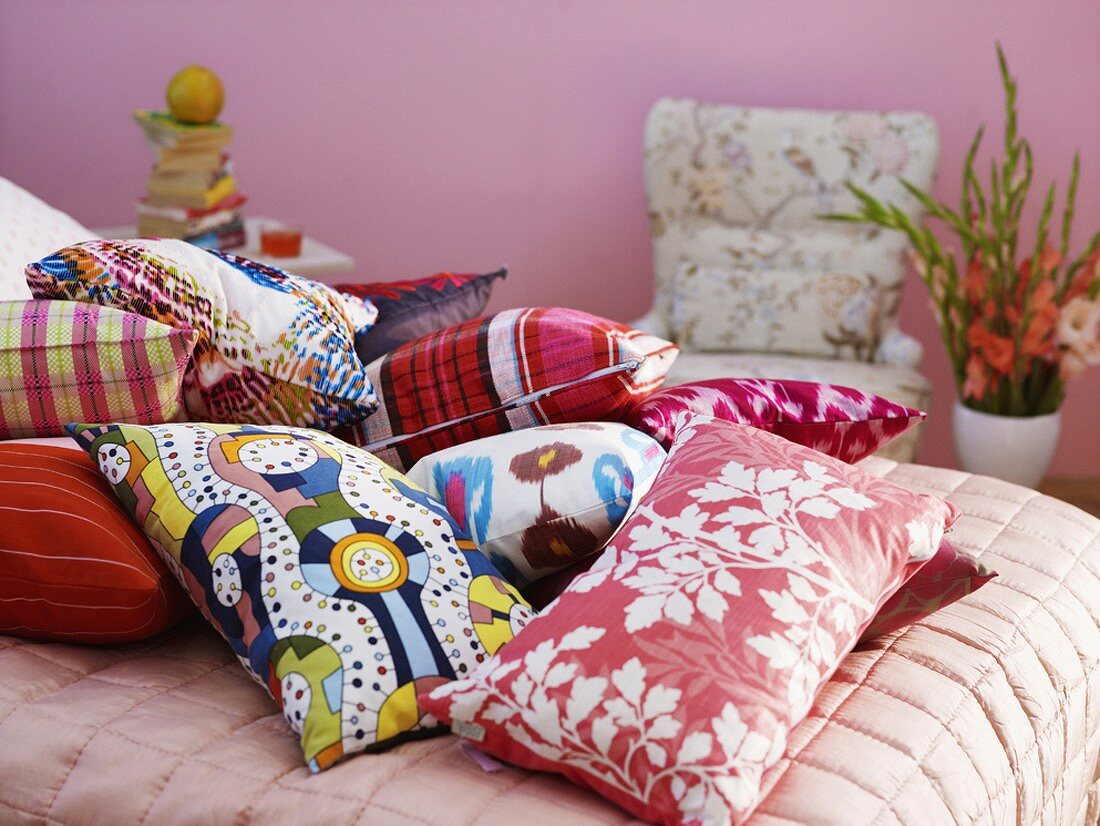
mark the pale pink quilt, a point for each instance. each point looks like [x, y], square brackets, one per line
[987, 712]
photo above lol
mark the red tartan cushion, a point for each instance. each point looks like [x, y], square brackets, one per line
[516, 369]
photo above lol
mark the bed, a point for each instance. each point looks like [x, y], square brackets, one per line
[986, 712]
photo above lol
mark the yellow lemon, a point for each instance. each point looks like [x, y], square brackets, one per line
[195, 95]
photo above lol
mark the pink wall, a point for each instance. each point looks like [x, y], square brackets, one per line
[428, 135]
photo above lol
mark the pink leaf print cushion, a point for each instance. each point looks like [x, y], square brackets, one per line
[669, 676]
[840, 421]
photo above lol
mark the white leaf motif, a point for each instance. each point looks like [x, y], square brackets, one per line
[660, 700]
[780, 653]
[695, 747]
[820, 507]
[498, 712]
[522, 687]
[678, 608]
[851, 499]
[643, 612]
[657, 755]
[727, 583]
[580, 638]
[584, 696]
[630, 680]
[663, 727]
[560, 674]
[736, 515]
[603, 732]
[710, 603]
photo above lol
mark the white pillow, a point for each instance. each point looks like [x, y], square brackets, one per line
[30, 229]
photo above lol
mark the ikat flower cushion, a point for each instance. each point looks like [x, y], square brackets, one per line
[411, 309]
[538, 500]
[273, 348]
[840, 421]
[669, 676]
[343, 589]
[517, 369]
[62, 361]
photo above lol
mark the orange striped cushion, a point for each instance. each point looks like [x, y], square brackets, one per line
[73, 566]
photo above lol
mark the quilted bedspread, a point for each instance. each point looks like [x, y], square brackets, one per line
[986, 712]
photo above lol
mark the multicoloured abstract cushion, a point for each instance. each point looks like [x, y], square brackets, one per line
[75, 569]
[516, 369]
[840, 421]
[61, 361]
[948, 577]
[411, 309]
[342, 588]
[669, 676]
[537, 500]
[272, 347]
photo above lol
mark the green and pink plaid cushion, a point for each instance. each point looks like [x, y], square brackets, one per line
[61, 362]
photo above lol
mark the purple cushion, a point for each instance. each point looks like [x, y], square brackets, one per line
[408, 310]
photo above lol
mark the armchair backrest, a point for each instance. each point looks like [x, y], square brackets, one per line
[743, 187]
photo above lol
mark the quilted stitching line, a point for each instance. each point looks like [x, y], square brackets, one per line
[397, 770]
[987, 672]
[76, 759]
[958, 710]
[1091, 743]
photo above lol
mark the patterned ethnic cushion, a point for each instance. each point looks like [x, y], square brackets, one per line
[411, 309]
[538, 500]
[342, 588]
[61, 361]
[764, 560]
[516, 369]
[272, 347]
[840, 421]
[75, 567]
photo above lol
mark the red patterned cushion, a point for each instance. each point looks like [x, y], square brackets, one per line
[516, 369]
[841, 421]
[948, 577]
[668, 677]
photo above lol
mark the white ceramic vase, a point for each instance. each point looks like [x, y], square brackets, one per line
[1014, 448]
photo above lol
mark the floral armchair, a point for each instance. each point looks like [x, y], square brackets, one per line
[749, 280]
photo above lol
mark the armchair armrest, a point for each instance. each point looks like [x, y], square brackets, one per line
[899, 349]
[652, 322]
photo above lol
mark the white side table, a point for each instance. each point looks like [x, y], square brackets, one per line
[316, 260]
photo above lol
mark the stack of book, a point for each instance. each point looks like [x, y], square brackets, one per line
[192, 192]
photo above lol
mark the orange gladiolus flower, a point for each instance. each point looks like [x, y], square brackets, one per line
[977, 378]
[998, 351]
[1038, 340]
[977, 280]
[1089, 272]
